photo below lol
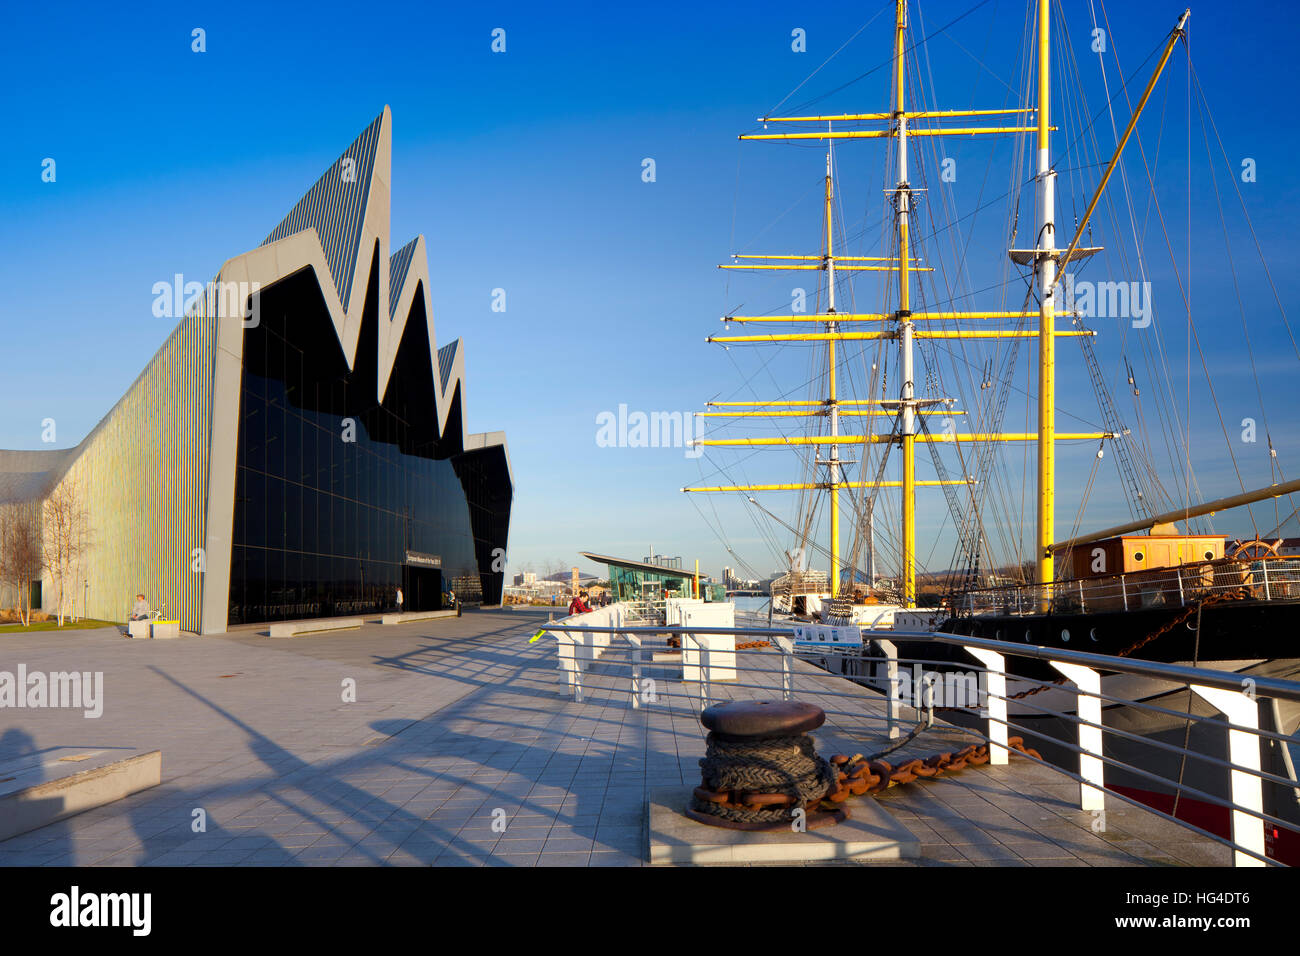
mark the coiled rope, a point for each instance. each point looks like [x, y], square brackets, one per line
[770, 777]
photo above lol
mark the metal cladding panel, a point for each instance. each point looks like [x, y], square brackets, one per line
[336, 207]
[398, 265]
[142, 478]
[446, 357]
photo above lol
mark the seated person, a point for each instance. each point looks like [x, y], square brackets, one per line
[139, 612]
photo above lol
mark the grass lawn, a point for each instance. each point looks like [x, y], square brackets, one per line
[54, 626]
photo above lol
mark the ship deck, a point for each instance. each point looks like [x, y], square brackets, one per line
[460, 723]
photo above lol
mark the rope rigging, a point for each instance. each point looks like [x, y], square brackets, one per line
[982, 374]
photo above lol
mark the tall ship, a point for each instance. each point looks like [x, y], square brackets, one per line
[943, 359]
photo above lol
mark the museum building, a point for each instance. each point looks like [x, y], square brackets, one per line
[297, 446]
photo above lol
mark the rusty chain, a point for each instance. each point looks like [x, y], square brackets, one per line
[859, 776]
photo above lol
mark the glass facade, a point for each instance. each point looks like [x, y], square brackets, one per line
[341, 499]
[635, 584]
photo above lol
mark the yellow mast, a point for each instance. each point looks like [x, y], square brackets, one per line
[906, 328]
[915, 114]
[873, 336]
[908, 408]
[1123, 140]
[889, 134]
[833, 463]
[1046, 266]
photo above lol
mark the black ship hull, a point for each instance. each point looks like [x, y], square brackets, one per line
[1230, 631]
[1247, 637]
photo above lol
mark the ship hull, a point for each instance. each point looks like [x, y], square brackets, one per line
[1145, 771]
[1247, 638]
[1237, 630]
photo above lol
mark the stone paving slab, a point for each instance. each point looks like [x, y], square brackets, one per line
[869, 833]
[452, 742]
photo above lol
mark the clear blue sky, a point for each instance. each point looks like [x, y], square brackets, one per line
[523, 170]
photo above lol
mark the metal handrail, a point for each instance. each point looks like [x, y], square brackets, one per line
[1109, 761]
[811, 655]
[1269, 578]
[1204, 681]
[1177, 673]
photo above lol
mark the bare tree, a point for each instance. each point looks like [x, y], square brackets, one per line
[67, 537]
[22, 556]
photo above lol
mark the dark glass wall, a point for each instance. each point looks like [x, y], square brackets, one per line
[485, 476]
[333, 487]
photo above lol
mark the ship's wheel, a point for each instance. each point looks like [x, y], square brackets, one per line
[1257, 548]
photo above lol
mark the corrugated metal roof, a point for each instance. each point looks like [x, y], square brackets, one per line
[399, 263]
[637, 565]
[336, 207]
[26, 475]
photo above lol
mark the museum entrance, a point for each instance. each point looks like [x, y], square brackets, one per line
[422, 588]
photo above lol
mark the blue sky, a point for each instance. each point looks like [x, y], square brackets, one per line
[524, 172]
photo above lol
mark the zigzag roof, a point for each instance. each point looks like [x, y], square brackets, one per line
[333, 229]
[346, 213]
[336, 206]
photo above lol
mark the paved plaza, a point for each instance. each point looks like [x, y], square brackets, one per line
[459, 726]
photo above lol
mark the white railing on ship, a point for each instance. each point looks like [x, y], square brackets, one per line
[1234, 696]
[1264, 579]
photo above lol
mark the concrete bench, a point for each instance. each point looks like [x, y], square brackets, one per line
[43, 788]
[298, 628]
[158, 630]
[406, 617]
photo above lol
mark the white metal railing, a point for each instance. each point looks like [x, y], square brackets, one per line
[1265, 579]
[1234, 696]
[646, 612]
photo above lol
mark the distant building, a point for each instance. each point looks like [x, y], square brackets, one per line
[632, 580]
[1289, 546]
[661, 560]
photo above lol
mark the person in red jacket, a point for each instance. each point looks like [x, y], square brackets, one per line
[579, 604]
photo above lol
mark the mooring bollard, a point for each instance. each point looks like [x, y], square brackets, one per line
[761, 771]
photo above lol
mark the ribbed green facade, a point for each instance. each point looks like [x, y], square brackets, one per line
[142, 478]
